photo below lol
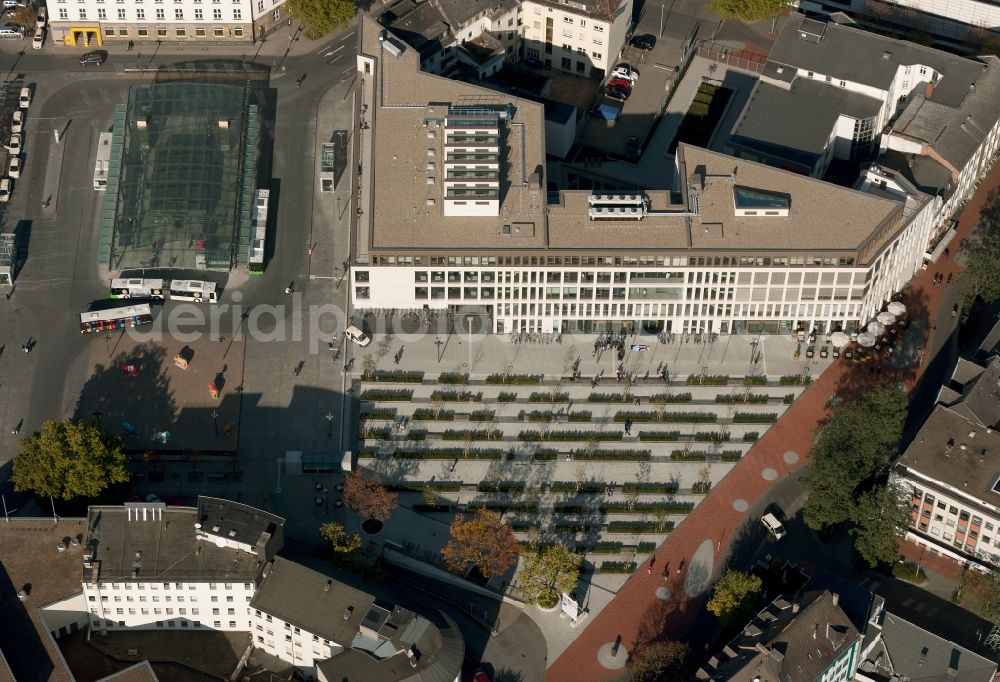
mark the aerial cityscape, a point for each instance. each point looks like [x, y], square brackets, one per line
[500, 340]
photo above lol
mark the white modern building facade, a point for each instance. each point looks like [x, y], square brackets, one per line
[958, 21]
[576, 36]
[733, 246]
[92, 23]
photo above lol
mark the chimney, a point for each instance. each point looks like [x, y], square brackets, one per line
[835, 598]
[795, 607]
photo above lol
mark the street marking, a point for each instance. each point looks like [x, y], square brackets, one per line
[334, 51]
[349, 70]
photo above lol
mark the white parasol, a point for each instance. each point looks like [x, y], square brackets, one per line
[886, 318]
[866, 339]
[875, 328]
[896, 308]
[839, 339]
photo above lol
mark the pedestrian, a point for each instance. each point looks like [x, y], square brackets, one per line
[637, 401]
[649, 568]
[298, 83]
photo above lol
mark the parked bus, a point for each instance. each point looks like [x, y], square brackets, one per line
[138, 288]
[192, 290]
[176, 289]
[103, 159]
[115, 318]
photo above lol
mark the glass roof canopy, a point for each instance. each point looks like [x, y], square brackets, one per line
[188, 163]
[746, 197]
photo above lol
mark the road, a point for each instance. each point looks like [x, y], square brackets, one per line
[60, 275]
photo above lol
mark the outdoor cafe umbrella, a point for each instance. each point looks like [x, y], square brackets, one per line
[876, 328]
[866, 339]
[896, 308]
[839, 339]
[886, 318]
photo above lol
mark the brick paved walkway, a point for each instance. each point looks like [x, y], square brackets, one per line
[663, 603]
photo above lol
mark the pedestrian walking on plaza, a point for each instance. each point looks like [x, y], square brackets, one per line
[649, 568]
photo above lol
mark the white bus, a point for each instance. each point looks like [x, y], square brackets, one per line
[192, 290]
[103, 159]
[115, 318]
[138, 288]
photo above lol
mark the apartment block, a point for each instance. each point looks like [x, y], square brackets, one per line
[92, 23]
[955, 22]
[950, 472]
[576, 36]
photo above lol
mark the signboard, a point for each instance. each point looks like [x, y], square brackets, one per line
[569, 606]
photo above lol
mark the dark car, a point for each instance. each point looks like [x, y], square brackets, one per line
[96, 57]
[618, 93]
[632, 149]
[644, 42]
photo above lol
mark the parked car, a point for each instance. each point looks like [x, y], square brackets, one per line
[14, 4]
[773, 526]
[632, 149]
[479, 675]
[619, 83]
[38, 39]
[41, 17]
[14, 145]
[24, 99]
[5, 186]
[646, 41]
[17, 121]
[357, 336]
[618, 93]
[625, 70]
[95, 57]
[11, 31]
[14, 167]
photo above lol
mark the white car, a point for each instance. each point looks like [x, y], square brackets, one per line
[17, 121]
[14, 167]
[357, 336]
[625, 71]
[39, 38]
[24, 99]
[14, 146]
[5, 190]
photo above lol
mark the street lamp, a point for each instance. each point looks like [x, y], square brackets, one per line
[468, 321]
[438, 342]
[215, 421]
[97, 416]
[329, 424]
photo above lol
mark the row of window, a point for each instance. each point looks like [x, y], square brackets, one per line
[618, 294]
[623, 261]
[773, 279]
[161, 32]
[140, 14]
[116, 587]
[156, 599]
[629, 311]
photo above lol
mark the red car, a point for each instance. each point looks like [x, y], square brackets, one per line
[480, 676]
[619, 83]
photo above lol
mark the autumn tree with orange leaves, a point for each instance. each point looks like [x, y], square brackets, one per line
[483, 540]
[367, 496]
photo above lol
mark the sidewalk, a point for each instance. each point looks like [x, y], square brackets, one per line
[650, 608]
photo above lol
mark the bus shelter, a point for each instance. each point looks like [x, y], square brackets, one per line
[8, 258]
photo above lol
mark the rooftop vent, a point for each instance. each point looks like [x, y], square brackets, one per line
[327, 585]
[215, 529]
[232, 533]
[886, 55]
[348, 612]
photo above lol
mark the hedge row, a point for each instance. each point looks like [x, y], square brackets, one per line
[375, 434]
[617, 567]
[668, 417]
[519, 507]
[609, 398]
[501, 486]
[660, 436]
[418, 486]
[751, 437]
[755, 417]
[449, 453]
[386, 395]
[521, 379]
[381, 414]
[605, 548]
[670, 398]
[701, 487]
[472, 434]
[731, 456]
[398, 376]
[537, 415]
[537, 436]
[481, 415]
[708, 380]
[506, 397]
[711, 437]
[688, 456]
[574, 487]
[573, 527]
[453, 378]
[428, 414]
[455, 397]
[648, 488]
[640, 526]
[545, 455]
[645, 547]
[651, 507]
[755, 380]
[612, 455]
[426, 508]
[794, 380]
[554, 397]
[581, 416]
[732, 398]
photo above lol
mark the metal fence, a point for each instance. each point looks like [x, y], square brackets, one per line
[741, 59]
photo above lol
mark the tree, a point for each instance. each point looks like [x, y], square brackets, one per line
[734, 597]
[340, 541]
[981, 278]
[549, 571]
[24, 17]
[746, 10]
[69, 459]
[881, 518]
[319, 17]
[483, 540]
[857, 442]
[367, 496]
[654, 661]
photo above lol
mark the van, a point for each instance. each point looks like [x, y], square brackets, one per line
[14, 4]
[773, 526]
[11, 31]
[357, 336]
